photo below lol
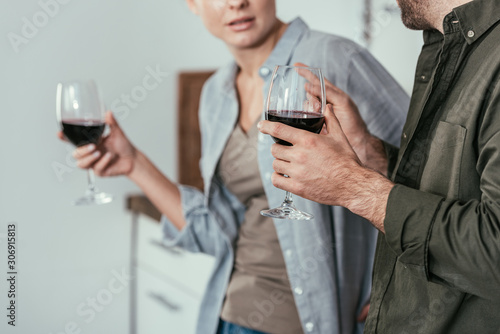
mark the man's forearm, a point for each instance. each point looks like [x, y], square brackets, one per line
[370, 188]
[367, 195]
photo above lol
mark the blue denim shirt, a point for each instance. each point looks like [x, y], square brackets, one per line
[329, 259]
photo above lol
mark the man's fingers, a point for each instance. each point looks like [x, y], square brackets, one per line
[308, 75]
[281, 167]
[281, 152]
[300, 64]
[314, 88]
[328, 83]
[333, 94]
[286, 183]
[312, 104]
[279, 180]
[279, 130]
[324, 130]
[331, 121]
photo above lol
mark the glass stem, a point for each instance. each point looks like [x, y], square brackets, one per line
[288, 195]
[91, 181]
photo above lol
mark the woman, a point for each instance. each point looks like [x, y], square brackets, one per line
[286, 277]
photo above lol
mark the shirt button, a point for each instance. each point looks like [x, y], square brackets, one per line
[298, 290]
[404, 135]
[309, 327]
[423, 77]
[470, 33]
[288, 252]
[264, 71]
[268, 175]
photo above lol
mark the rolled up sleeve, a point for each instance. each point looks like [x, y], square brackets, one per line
[409, 218]
[199, 222]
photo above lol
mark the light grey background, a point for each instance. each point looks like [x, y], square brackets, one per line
[68, 254]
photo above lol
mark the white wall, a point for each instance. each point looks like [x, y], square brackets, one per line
[68, 254]
[393, 45]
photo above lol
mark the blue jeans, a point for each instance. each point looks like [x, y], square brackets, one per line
[229, 328]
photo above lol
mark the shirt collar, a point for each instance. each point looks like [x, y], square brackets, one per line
[477, 17]
[472, 19]
[284, 49]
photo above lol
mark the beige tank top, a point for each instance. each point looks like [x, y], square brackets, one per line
[258, 295]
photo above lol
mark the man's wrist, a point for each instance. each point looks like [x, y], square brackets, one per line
[368, 196]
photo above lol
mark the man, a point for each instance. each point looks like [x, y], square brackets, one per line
[437, 266]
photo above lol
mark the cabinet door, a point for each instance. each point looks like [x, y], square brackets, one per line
[176, 265]
[170, 283]
[164, 308]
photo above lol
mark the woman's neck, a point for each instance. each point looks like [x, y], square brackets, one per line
[251, 59]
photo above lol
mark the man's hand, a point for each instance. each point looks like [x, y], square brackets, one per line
[324, 168]
[368, 148]
[310, 159]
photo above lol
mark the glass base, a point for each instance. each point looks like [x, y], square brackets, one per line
[287, 211]
[93, 199]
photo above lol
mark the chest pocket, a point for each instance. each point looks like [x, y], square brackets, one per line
[441, 174]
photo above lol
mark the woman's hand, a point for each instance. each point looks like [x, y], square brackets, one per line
[114, 155]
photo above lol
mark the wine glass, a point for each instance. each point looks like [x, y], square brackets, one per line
[289, 102]
[80, 113]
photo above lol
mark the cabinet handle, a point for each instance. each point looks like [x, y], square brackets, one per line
[164, 301]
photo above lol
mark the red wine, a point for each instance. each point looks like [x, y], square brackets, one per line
[82, 132]
[312, 122]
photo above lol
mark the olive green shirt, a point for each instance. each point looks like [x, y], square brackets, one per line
[437, 268]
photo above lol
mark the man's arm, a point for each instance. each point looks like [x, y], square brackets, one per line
[336, 175]
[444, 240]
